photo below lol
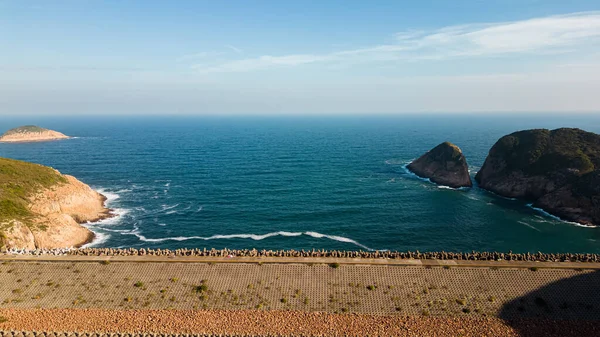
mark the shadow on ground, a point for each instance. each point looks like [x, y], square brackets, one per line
[574, 302]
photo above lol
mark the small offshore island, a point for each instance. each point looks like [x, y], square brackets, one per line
[445, 165]
[31, 133]
[41, 208]
[558, 171]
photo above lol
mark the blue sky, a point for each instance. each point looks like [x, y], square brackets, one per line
[298, 57]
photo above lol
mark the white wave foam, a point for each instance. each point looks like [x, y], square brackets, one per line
[167, 184]
[336, 238]
[199, 209]
[528, 225]
[110, 196]
[540, 219]
[412, 174]
[162, 224]
[171, 212]
[120, 231]
[118, 214]
[99, 239]
[168, 207]
[559, 219]
[397, 161]
[123, 191]
[256, 237]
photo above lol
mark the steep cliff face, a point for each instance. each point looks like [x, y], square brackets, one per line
[557, 170]
[30, 133]
[445, 165]
[40, 208]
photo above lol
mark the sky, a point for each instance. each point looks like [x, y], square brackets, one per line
[298, 57]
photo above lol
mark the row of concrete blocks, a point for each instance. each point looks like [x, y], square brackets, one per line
[472, 256]
[122, 334]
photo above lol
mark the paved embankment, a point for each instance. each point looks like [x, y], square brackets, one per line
[343, 288]
[295, 296]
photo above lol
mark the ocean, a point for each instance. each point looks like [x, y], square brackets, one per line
[298, 182]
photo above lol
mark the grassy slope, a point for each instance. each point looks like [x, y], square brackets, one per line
[541, 151]
[18, 181]
[24, 129]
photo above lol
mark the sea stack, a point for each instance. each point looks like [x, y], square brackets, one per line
[558, 171]
[445, 165]
[41, 208]
[31, 133]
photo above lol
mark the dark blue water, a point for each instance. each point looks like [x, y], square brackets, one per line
[297, 182]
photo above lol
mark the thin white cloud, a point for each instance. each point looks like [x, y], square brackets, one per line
[259, 63]
[234, 48]
[198, 56]
[189, 57]
[553, 34]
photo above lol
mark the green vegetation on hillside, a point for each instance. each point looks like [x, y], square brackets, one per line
[18, 181]
[24, 129]
[540, 151]
[456, 153]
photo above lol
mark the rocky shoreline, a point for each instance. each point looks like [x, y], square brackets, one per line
[396, 255]
[48, 209]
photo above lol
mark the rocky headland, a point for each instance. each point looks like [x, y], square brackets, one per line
[31, 133]
[558, 171]
[41, 208]
[445, 165]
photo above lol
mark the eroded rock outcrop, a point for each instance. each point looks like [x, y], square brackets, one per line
[557, 170]
[31, 133]
[445, 165]
[41, 208]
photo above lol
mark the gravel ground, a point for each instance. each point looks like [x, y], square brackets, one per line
[280, 323]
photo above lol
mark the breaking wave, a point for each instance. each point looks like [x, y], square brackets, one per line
[99, 239]
[256, 237]
[558, 218]
[528, 225]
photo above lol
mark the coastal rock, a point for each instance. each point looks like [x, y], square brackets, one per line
[558, 171]
[41, 208]
[18, 235]
[445, 165]
[30, 133]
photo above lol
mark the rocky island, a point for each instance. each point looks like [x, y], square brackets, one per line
[31, 133]
[558, 171]
[41, 208]
[445, 165]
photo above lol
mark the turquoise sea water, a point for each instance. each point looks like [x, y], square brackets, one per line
[298, 182]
